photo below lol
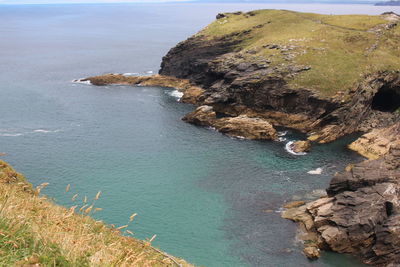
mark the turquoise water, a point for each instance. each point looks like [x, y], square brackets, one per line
[210, 199]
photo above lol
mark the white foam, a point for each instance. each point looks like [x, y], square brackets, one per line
[46, 131]
[282, 139]
[131, 74]
[289, 149]
[283, 133]
[11, 134]
[82, 81]
[176, 93]
[316, 171]
[149, 72]
[238, 137]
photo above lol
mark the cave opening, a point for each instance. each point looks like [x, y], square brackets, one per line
[389, 208]
[387, 99]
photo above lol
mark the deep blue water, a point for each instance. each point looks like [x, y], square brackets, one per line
[208, 197]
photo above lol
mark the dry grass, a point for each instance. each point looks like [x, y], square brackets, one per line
[77, 239]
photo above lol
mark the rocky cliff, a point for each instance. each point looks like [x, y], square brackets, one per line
[324, 75]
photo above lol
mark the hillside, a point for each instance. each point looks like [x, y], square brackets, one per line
[36, 232]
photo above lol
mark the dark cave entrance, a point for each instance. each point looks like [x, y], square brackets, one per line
[389, 208]
[387, 99]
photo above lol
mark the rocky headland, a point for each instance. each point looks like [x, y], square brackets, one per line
[326, 76]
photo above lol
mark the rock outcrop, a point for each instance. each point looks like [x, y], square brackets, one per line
[239, 126]
[377, 143]
[301, 146]
[361, 214]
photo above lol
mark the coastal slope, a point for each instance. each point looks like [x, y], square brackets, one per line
[36, 232]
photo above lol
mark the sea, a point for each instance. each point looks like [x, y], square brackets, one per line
[210, 199]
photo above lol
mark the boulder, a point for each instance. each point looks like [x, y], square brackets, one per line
[246, 127]
[240, 126]
[312, 252]
[301, 146]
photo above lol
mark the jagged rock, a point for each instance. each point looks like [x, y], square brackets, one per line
[361, 215]
[239, 126]
[246, 127]
[301, 146]
[294, 204]
[202, 116]
[312, 252]
[377, 143]
[220, 16]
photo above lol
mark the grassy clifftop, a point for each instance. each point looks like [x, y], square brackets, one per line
[36, 232]
[337, 51]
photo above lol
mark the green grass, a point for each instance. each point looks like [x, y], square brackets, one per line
[337, 48]
[18, 246]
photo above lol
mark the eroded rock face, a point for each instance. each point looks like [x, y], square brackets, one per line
[377, 143]
[361, 213]
[239, 126]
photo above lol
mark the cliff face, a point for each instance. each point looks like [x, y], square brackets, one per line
[325, 68]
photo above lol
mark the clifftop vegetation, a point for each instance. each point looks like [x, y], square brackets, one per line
[336, 52]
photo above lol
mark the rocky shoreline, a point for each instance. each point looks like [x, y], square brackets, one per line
[245, 78]
[359, 216]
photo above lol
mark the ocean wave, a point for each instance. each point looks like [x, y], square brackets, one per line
[11, 134]
[290, 150]
[316, 171]
[130, 74]
[238, 137]
[46, 131]
[282, 133]
[149, 72]
[175, 93]
[81, 81]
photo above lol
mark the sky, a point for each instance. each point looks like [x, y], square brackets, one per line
[82, 1]
[162, 1]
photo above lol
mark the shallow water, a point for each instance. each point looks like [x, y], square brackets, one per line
[210, 199]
